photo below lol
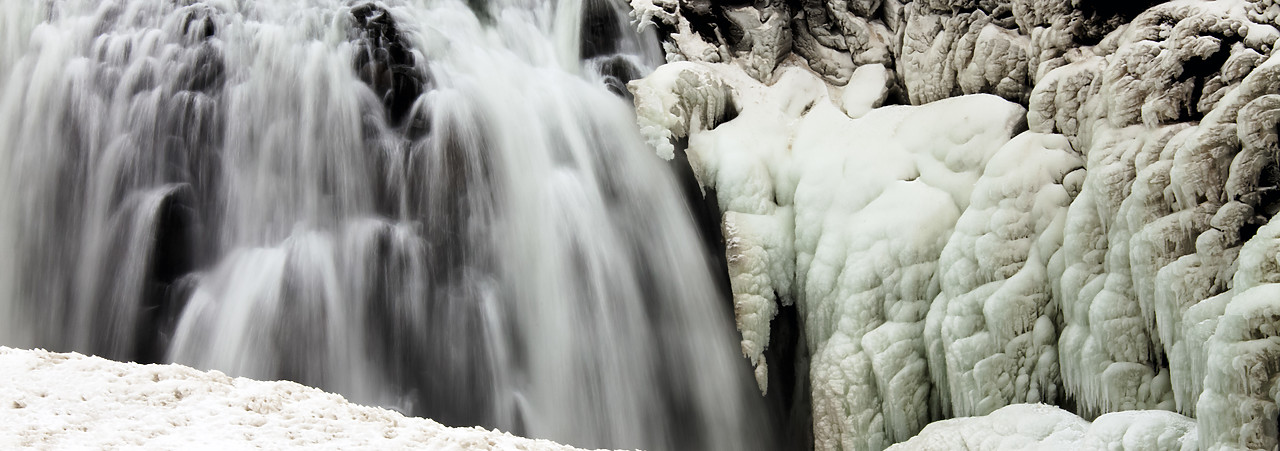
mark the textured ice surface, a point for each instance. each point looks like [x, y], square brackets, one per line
[849, 216]
[59, 401]
[993, 327]
[1108, 250]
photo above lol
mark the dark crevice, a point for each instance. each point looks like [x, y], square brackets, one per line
[1200, 70]
[787, 398]
[1103, 16]
[705, 208]
[788, 395]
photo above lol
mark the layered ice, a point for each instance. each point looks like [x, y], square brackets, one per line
[849, 217]
[1094, 237]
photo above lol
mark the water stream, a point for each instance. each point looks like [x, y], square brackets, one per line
[437, 206]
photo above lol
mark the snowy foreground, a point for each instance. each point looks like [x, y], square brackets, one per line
[61, 401]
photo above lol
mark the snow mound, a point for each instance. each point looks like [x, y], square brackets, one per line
[60, 401]
[1039, 426]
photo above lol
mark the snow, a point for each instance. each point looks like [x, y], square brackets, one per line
[60, 401]
[1039, 426]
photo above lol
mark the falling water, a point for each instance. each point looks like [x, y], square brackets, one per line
[437, 206]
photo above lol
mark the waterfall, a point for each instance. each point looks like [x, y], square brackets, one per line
[437, 206]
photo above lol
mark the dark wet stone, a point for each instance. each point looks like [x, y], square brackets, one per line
[385, 62]
[600, 30]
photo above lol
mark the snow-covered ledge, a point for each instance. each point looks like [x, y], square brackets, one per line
[60, 401]
[1045, 427]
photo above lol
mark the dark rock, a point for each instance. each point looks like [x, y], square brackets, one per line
[384, 61]
[600, 30]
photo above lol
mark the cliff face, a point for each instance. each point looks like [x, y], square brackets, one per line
[973, 204]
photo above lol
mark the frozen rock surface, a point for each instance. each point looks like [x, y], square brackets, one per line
[975, 204]
[60, 401]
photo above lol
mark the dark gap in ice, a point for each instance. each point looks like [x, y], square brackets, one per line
[730, 111]
[702, 19]
[1103, 16]
[788, 395]
[1269, 189]
[1199, 70]
[705, 208]
[1110, 9]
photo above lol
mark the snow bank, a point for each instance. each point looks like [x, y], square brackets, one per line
[1039, 426]
[59, 401]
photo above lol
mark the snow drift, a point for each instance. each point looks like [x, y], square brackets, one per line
[1039, 426]
[57, 401]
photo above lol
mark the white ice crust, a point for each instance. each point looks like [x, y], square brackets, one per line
[1110, 246]
[1044, 427]
[848, 209]
[69, 401]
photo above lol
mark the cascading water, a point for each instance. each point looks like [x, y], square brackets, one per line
[436, 206]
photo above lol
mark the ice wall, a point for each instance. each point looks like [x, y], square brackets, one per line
[438, 206]
[1094, 237]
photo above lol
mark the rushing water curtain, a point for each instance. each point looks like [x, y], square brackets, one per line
[438, 206]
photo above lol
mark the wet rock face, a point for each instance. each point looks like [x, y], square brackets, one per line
[936, 48]
[601, 30]
[385, 62]
[755, 34]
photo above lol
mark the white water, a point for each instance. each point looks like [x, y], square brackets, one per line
[214, 184]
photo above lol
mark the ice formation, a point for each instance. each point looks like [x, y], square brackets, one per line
[1073, 209]
[62, 401]
[1039, 426]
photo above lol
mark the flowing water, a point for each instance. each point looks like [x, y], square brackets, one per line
[437, 206]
